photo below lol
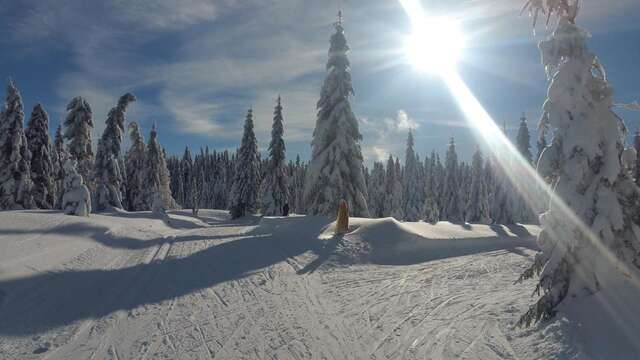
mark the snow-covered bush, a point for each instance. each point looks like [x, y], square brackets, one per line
[76, 199]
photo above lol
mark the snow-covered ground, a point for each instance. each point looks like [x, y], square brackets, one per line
[132, 286]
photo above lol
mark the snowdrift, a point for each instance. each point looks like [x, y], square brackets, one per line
[392, 242]
[388, 241]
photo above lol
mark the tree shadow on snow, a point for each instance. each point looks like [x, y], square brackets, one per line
[48, 300]
[324, 254]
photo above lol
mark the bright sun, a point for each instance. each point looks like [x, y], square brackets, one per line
[435, 45]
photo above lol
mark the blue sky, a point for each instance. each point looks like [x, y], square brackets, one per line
[198, 65]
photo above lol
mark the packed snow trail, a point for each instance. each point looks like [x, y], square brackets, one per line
[130, 286]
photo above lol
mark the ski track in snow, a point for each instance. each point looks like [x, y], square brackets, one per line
[453, 308]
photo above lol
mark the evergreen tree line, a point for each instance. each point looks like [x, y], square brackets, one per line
[33, 167]
[428, 189]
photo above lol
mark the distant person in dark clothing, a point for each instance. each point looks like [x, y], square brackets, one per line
[285, 210]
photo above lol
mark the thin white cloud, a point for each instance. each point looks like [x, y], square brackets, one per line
[194, 117]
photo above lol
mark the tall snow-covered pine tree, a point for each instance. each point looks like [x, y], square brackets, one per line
[246, 182]
[109, 168]
[78, 127]
[15, 158]
[478, 202]
[276, 191]
[43, 159]
[157, 179]
[451, 205]
[135, 173]
[336, 171]
[413, 200]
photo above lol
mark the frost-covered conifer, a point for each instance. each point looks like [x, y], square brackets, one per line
[299, 174]
[523, 141]
[109, 169]
[451, 210]
[135, 170]
[78, 126]
[43, 166]
[502, 207]
[413, 201]
[187, 179]
[157, 179]
[522, 210]
[15, 158]
[599, 243]
[478, 203]
[276, 192]
[377, 191]
[431, 209]
[59, 155]
[336, 172]
[393, 190]
[246, 183]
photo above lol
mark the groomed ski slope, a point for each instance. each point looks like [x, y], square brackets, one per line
[134, 286]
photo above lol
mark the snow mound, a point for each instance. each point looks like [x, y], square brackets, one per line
[388, 241]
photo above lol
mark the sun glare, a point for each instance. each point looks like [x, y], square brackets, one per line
[435, 45]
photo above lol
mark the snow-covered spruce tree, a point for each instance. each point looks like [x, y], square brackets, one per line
[523, 212]
[157, 191]
[15, 158]
[187, 179]
[585, 159]
[431, 209]
[135, 174]
[451, 210]
[109, 169]
[60, 155]
[413, 200]
[276, 191]
[502, 206]
[393, 190]
[523, 141]
[478, 202]
[376, 190]
[78, 126]
[246, 183]
[43, 167]
[464, 184]
[336, 172]
[297, 186]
